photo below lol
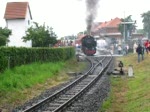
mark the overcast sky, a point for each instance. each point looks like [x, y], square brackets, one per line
[67, 17]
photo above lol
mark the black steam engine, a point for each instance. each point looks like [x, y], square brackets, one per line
[88, 45]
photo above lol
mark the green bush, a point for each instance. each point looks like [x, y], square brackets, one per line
[13, 56]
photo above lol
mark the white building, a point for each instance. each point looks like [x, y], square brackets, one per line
[18, 18]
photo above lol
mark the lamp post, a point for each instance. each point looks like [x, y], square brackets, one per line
[124, 33]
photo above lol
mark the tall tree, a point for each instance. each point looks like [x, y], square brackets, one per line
[146, 22]
[40, 35]
[141, 31]
[127, 27]
[4, 36]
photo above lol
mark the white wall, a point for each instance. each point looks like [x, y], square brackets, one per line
[18, 27]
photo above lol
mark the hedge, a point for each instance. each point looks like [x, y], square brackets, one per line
[15, 56]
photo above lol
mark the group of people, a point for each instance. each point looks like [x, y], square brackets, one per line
[139, 49]
[124, 50]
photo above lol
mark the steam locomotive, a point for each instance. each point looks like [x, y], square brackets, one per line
[88, 45]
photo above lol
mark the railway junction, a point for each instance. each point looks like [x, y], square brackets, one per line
[85, 92]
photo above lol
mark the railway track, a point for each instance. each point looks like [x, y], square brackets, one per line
[64, 97]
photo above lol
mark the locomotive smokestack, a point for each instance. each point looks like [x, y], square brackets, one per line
[92, 6]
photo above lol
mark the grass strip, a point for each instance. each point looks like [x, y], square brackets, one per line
[130, 94]
[22, 83]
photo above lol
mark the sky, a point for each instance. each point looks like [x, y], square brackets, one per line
[68, 17]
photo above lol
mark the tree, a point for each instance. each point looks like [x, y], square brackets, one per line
[40, 35]
[146, 22]
[127, 27]
[141, 31]
[4, 36]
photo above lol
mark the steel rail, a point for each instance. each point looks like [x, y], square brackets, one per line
[51, 97]
[61, 107]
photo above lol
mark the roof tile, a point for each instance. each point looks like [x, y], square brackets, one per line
[111, 23]
[16, 10]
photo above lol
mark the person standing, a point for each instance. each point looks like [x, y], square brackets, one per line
[127, 48]
[119, 49]
[112, 49]
[134, 47]
[146, 44]
[140, 52]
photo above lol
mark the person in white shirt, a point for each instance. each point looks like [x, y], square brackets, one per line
[119, 49]
[135, 47]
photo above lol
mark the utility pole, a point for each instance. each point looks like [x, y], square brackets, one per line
[124, 31]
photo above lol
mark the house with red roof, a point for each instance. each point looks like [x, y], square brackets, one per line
[109, 29]
[18, 18]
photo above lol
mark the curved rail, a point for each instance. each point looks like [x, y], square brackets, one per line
[53, 96]
[85, 88]
[71, 85]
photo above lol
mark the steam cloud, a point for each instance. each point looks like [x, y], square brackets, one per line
[92, 6]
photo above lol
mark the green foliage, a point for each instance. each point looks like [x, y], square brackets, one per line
[12, 56]
[40, 79]
[107, 104]
[3, 61]
[142, 31]
[146, 22]
[41, 36]
[4, 36]
[27, 75]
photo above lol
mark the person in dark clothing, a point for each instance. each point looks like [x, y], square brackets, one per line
[140, 52]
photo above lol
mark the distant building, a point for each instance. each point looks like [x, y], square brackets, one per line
[18, 18]
[109, 29]
[79, 38]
